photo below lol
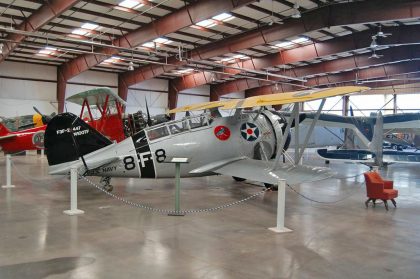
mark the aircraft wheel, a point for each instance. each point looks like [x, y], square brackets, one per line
[239, 179]
[271, 187]
[108, 188]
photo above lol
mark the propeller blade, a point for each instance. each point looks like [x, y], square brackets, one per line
[149, 120]
[45, 118]
[37, 111]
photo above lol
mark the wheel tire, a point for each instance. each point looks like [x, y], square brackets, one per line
[272, 187]
[239, 179]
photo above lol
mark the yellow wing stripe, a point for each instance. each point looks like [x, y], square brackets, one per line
[275, 99]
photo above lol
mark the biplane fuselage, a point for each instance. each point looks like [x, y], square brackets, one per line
[202, 139]
[241, 145]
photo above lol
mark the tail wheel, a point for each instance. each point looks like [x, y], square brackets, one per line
[108, 188]
[106, 183]
[239, 179]
[271, 187]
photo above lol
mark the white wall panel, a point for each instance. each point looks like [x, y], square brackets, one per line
[23, 86]
[96, 78]
[201, 90]
[233, 95]
[154, 91]
[15, 69]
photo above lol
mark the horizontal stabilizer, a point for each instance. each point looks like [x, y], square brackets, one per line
[92, 162]
[401, 157]
[347, 155]
[261, 171]
[365, 156]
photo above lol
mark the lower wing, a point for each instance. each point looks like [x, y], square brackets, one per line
[262, 171]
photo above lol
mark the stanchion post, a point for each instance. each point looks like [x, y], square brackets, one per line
[177, 162]
[42, 152]
[177, 186]
[281, 205]
[73, 194]
[8, 172]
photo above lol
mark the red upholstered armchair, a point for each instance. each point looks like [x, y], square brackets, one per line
[377, 188]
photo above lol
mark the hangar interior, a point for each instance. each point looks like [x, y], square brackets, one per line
[159, 55]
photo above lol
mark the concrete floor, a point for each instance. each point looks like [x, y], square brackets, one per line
[338, 239]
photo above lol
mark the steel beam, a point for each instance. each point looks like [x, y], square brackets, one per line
[173, 94]
[122, 88]
[348, 78]
[342, 14]
[341, 64]
[401, 35]
[47, 12]
[172, 22]
[61, 90]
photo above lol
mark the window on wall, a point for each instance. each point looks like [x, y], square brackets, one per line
[408, 103]
[365, 105]
[332, 105]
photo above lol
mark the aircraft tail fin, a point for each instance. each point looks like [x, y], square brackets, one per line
[3, 130]
[68, 138]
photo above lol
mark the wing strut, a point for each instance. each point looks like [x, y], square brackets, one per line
[284, 138]
[311, 128]
[297, 107]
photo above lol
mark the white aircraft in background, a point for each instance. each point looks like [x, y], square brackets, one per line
[369, 135]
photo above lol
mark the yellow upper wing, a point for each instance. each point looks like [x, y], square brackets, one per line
[275, 99]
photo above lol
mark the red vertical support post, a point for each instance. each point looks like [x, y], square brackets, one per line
[172, 97]
[122, 88]
[61, 90]
[213, 94]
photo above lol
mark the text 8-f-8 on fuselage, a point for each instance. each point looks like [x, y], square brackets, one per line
[202, 139]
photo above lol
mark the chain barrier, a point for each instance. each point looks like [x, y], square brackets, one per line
[167, 211]
[347, 177]
[191, 211]
[332, 202]
[38, 182]
[322, 202]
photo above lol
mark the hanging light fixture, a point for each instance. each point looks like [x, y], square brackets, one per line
[296, 12]
[375, 55]
[374, 44]
[131, 66]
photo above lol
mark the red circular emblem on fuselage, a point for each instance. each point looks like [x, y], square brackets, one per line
[222, 132]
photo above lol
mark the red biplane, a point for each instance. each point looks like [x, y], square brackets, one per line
[110, 121]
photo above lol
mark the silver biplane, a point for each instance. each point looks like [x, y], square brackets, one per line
[245, 145]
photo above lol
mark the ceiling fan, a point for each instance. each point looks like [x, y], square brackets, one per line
[381, 34]
[375, 55]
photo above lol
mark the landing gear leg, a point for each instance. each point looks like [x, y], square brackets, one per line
[106, 183]
[239, 179]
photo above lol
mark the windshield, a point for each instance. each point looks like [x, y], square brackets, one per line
[176, 127]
